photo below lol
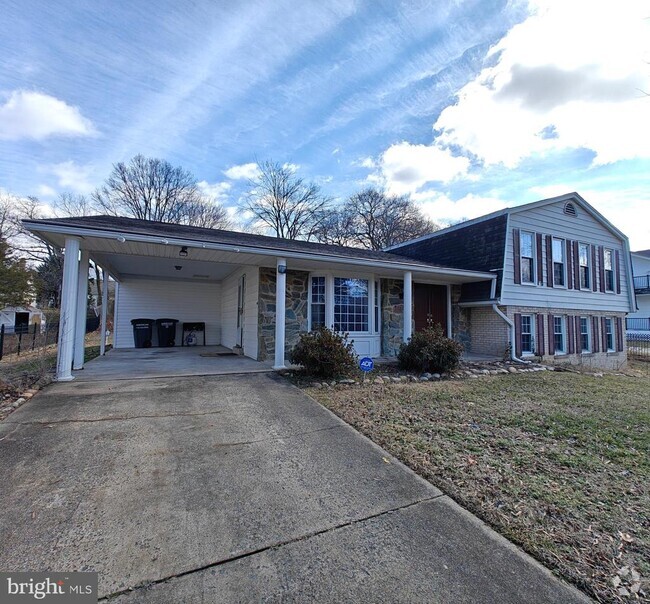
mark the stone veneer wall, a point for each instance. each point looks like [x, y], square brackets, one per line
[296, 310]
[392, 316]
[461, 324]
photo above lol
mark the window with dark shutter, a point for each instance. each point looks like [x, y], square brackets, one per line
[617, 267]
[540, 263]
[549, 261]
[516, 259]
[571, 340]
[594, 334]
[540, 335]
[517, 334]
[569, 265]
[619, 334]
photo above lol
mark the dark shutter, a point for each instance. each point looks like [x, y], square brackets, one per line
[576, 264]
[540, 335]
[570, 334]
[517, 334]
[601, 261]
[540, 261]
[617, 266]
[549, 261]
[603, 333]
[594, 273]
[595, 340]
[569, 265]
[578, 336]
[619, 334]
[516, 255]
[551, 334]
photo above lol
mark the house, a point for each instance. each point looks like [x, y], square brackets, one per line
[549, 279]
[563, 288]
[640, 320]
[20, 318]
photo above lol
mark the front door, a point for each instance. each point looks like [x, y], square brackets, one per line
[241, 297]
[429, 306]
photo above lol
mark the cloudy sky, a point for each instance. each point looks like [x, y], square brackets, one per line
[468, 106]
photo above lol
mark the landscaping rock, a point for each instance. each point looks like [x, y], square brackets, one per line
[436, 376]
[379, 380]
[317, 385]
[512, 370]
[347, 382]
[424, 378]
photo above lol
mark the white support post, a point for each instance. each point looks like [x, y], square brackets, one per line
[82, 311]
[68, 314]
[280, 308]
[102, 342]
[408, 305]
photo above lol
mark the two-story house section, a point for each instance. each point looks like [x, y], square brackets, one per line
[564, 282]
[640, 320]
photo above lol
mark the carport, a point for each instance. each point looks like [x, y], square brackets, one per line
[254, 294]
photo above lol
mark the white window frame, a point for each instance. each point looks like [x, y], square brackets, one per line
[330, 276]
[564, 261]
[559, 351]
[376, 307]
[588, 333]
[610, 331]
[533, 258]
[606, 270]
[587, 267]
[532, 326]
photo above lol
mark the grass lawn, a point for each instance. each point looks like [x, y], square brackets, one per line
[557, 462]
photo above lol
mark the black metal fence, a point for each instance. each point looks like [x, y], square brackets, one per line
[638, 345]
[642, 284]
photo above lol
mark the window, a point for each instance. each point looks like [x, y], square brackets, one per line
[317, 302]
[527, 337]
[585, 272]
[609, 271]
[527, 253]
[377, 307]
[558, 262]
[609, 334]
[558, 333]
[350, 304]
[584, 335]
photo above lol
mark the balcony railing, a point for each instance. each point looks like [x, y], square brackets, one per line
[637, 324]
[642, 284]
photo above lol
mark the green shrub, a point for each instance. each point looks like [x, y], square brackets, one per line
[324, 353]
[429, 350]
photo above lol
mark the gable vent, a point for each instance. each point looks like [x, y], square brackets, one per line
[570, 209]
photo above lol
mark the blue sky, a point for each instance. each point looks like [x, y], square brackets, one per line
[467, 106]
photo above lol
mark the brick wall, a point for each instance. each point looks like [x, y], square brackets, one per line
[490, 333]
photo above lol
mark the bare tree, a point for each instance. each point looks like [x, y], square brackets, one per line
[375, 220]
[152, 189]
[284, 203]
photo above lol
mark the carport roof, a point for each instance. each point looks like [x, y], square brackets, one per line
[55, 229]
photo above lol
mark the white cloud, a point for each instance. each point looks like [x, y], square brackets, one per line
[405, 168]
[45, 191]
[216, 190]
[72, 176]
[33, 115]
[444, 211]
[242, 171]
[570, 76]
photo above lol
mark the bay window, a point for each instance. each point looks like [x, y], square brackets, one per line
[350, 304]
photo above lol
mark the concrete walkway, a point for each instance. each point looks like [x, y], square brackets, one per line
[237, 489]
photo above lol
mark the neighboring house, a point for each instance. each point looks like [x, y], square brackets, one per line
[21, 318]
[486, 282]
[640, 320]
[564, 282]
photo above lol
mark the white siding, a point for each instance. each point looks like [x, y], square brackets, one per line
[229, 310]
[157, 299]
[551, 220]
[641, 268]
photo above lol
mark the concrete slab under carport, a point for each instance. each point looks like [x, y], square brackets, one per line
[234, 489]
[176, 361]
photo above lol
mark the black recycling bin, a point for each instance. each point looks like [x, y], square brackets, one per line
[166, 332]
[142, 332]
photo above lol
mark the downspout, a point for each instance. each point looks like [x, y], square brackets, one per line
[511, 325]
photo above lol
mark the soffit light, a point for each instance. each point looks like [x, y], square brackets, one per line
[183, 252]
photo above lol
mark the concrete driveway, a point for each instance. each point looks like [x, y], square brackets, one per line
[236, 489]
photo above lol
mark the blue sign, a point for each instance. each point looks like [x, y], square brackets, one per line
[366, 364]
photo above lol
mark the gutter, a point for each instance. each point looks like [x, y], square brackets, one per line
[123, 236]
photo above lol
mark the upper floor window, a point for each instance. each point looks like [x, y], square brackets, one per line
[527, 337]
[559, 335]
[559, 262]
[609, 334]
[527, 253]
[317, 302]
[609, 270]
[350, 304]
[585, 345]
[585, 272]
